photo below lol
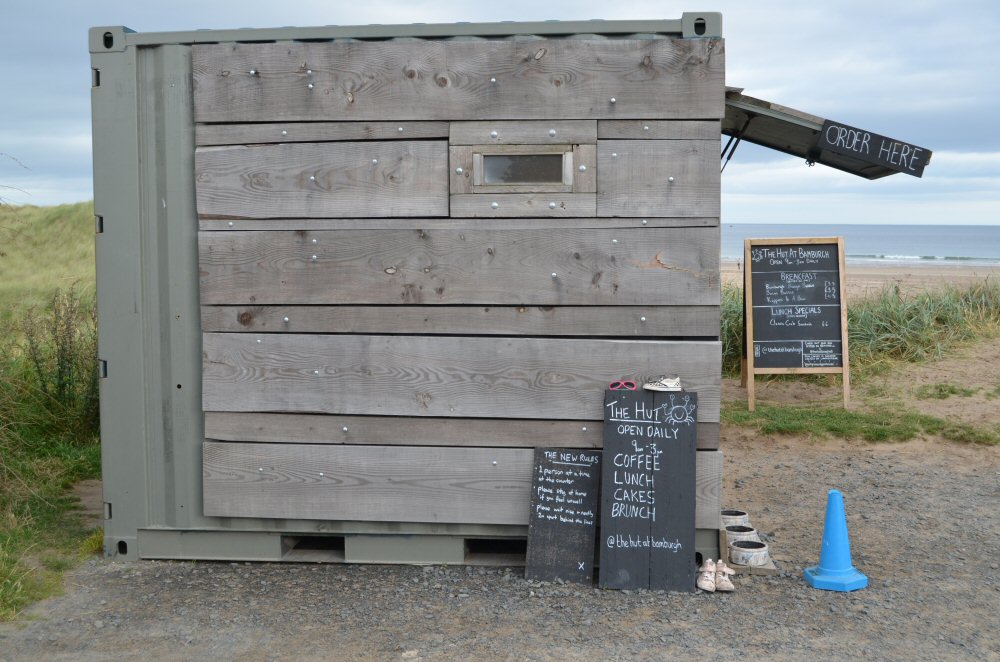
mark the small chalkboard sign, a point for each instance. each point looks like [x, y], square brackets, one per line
[795, 319]
[648, 490]
[563, 522]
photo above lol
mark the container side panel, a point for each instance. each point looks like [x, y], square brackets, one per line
[398, 178]
[443, 375]
[314, 323]
[120, 303]
[450, 80]
[672, 266]
[170, 285]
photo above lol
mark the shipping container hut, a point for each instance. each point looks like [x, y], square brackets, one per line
[349, 277]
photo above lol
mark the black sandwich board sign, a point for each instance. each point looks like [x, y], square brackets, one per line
[795, 316]
[873, 148]
[647, 537]
[563, 521]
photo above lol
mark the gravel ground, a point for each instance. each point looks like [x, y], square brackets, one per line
[923, 521]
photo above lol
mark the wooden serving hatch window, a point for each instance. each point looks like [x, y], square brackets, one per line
[522, 169]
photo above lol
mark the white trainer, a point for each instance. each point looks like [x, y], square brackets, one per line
[663, 383]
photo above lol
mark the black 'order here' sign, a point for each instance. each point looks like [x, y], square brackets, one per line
[873, 148]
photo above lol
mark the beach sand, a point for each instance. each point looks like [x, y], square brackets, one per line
[910, 279]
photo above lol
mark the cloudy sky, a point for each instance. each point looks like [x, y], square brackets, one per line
[923, 71]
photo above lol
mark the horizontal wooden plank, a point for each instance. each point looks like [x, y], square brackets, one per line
[379, 483]
[391, 483]
[413, 431]
[504, 205]
[311, 224]
[658, 178]
[446, 376]
[659, 129]
[641, 266]
[454, 80]
[378, 178]
[299, 132]
[553, 132]
[591, 321]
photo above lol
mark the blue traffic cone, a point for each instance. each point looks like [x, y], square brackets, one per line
[835, 572]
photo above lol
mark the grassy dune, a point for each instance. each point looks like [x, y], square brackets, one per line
[42, 249]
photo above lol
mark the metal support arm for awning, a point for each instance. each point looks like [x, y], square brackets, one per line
[817, 140]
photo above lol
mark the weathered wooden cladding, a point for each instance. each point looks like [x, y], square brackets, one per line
[452, 80]
[658, 178]
[388, 333]
[638, 267]
[447, 376]
[391, 483]
[415, 431]
[343, 179]
[299, 132]
[589, 321]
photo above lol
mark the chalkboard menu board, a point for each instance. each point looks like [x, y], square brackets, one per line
[795, 319]
[563, 521]
[648, 490]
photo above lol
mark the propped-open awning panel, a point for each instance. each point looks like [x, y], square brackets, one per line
[815, 139]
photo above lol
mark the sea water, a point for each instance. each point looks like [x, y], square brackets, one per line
[967, 245]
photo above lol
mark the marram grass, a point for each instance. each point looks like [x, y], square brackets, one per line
[889, 326]
[48, 441]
